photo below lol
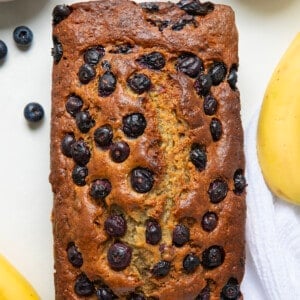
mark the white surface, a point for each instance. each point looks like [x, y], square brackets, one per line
[266, 28]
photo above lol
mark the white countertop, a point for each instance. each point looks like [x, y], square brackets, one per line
[266, 28]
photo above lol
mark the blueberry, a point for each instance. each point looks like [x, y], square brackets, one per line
[74, 255]
[209, 221]
[60, 12]
[80, 152]
[180, 235]
[203, 84]
[33, 112]
[213, 257]
[217, 190]
[83, 286]
[57, 50]
[232, 77]
[93, 55]
[122, 49]
[231, 291]
[66, 144]
[134, 125]
[191, 263]
[141, 180]
[139, 83]
[115, 226]
[74, 104]
[204, 294]
[154, 60]
[189, 64]
[107, 84]
[217, 72]
[216, 129]
[3, 49]
[23, 36]
[79, 174]
[239, 181]
[103, 135]
[119, 256]
[119, 151]
[100, 189]
[195, 7]
[84, 121]
[161, 269]
[105, 293]
[210, 105]
[86, 73]
[198, 156]
[134, 296]
[153, 232]
[180, 24]
[150, 6]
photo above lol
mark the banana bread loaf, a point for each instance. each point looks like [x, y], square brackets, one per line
[147, 163]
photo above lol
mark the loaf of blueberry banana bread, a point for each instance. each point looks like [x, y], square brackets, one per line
[147, 163]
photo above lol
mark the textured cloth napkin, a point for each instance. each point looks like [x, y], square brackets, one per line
[272, 230]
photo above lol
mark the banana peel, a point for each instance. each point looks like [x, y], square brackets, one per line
[278, 136]
[13, 285]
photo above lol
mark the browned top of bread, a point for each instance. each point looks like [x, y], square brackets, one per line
[176, 123]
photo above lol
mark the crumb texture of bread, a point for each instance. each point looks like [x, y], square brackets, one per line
[147, 162]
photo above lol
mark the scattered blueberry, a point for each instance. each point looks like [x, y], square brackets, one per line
[216, 129]
[93, 55]
[161, 269]
[115, 226]
[79, 174]
[189, 64]
[134, 125]
[217, 190]
[232, 77]
[139, 83]
[141, 180]
[66, 144]
[198, 156]
[103, 135]
[209, 221]
[60, 12]
[107, 84]
[3, 49]
[80, 152]
[217, 72]
[203, 84]
[83, 286]
[204, 294]
[100, 189]
[33, 112]
[122, 49]
[105, 293]
[119, 151]
[210, 105]
[86, 73]
[195, 7]
[154, 60]
[57, 50]
[181, 24]
[191, 263]
[239, 181]
[74, 104]
[213, 257]
[181, 235]
[23, 36]
[74, 256]
[84, 121]
[119, 256]
[153, 232]
[134, 296]
[150, 6]
[231, 291]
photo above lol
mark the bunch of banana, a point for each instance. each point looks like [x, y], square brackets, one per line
[13, 285]
[278, 138]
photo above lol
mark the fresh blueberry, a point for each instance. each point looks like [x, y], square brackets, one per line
[86, 73]
[100, 189]
[74, 255]
[195, 7]
[191, 263]
[134, 125]
[141, 179]
[217, 72]
[139, 83]
[154, 60]
[189, 64]
[119, 256]
[79, 174]
[105, 293]
[74, 104]
[119, 151]
[203, 84]
[103, 135]
[153, 232]
[57, 50]
[23, 36]
[115, 226]
[93, 55]
[210, 105]
[33, 112]
[215, 129]
[232, 77]
[217, 190]
[161, 269]
[239, 181]
[80, 152]
[134, 296]
[231, 291]
[204, 294]
[84, 121]
[66, 144]
[209, 221]
[60, 12]
[122, 49]
[3, 49]
[198, 156]
[150, 6]
[107, 84]
[181, 235]
[213, 257]
[83, 286]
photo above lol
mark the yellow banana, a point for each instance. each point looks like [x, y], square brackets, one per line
[278, 136]
[13, 285]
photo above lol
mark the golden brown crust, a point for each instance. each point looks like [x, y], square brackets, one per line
[175, 121]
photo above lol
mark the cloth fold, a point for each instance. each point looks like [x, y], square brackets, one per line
[272, 230]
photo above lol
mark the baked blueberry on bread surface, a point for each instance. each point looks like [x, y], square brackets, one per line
[147, 163]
